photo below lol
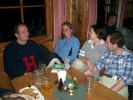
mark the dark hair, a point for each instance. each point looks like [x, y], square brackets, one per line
[117, 38]
[17, 26]
[68, 24]
[98, 29]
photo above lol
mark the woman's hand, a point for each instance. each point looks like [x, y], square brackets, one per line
[88, 62]
[88, 73]
[90, 70]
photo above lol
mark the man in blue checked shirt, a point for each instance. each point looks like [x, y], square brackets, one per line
[117, 65]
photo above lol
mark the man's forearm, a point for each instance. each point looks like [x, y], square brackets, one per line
[118, 86]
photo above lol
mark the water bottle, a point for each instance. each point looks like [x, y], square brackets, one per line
[60, 85]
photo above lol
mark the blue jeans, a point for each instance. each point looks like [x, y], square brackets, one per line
[5, 91]
[130, 90]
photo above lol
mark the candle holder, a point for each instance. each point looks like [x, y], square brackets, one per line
[70, 86]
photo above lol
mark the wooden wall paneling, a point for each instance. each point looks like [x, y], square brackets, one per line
[92, 12]
[79, 18]
[49, 17]
[75, 17]
[84, 14]
[59, 14]
[84, 19]
[69, 10]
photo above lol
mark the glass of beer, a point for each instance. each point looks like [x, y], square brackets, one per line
[47, 87]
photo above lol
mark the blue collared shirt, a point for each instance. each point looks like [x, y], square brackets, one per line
[68, 48]
[119, 65]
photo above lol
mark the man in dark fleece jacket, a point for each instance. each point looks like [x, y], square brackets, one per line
[23, 55]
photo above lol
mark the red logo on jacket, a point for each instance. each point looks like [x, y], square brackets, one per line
[30, 63]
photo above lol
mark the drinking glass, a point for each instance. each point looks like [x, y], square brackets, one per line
[46, 87]
[67, 63]
[89, 84]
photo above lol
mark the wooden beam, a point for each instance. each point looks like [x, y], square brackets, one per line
[10, 7]
[16, 7]
[22, 11]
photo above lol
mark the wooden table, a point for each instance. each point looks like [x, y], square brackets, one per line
[100, 92]
[97, 91]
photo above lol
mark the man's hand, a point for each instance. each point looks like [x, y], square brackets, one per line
[118, 86]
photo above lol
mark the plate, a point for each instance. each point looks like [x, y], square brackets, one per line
[17, 97]
[33, 92]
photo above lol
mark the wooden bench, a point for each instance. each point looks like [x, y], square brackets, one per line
[4, 80]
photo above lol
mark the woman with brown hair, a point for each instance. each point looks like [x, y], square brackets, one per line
[92, 49]
[67, 47]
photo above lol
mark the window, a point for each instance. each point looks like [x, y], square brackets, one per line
[31, 12]
[130, 8]
[105, 9]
